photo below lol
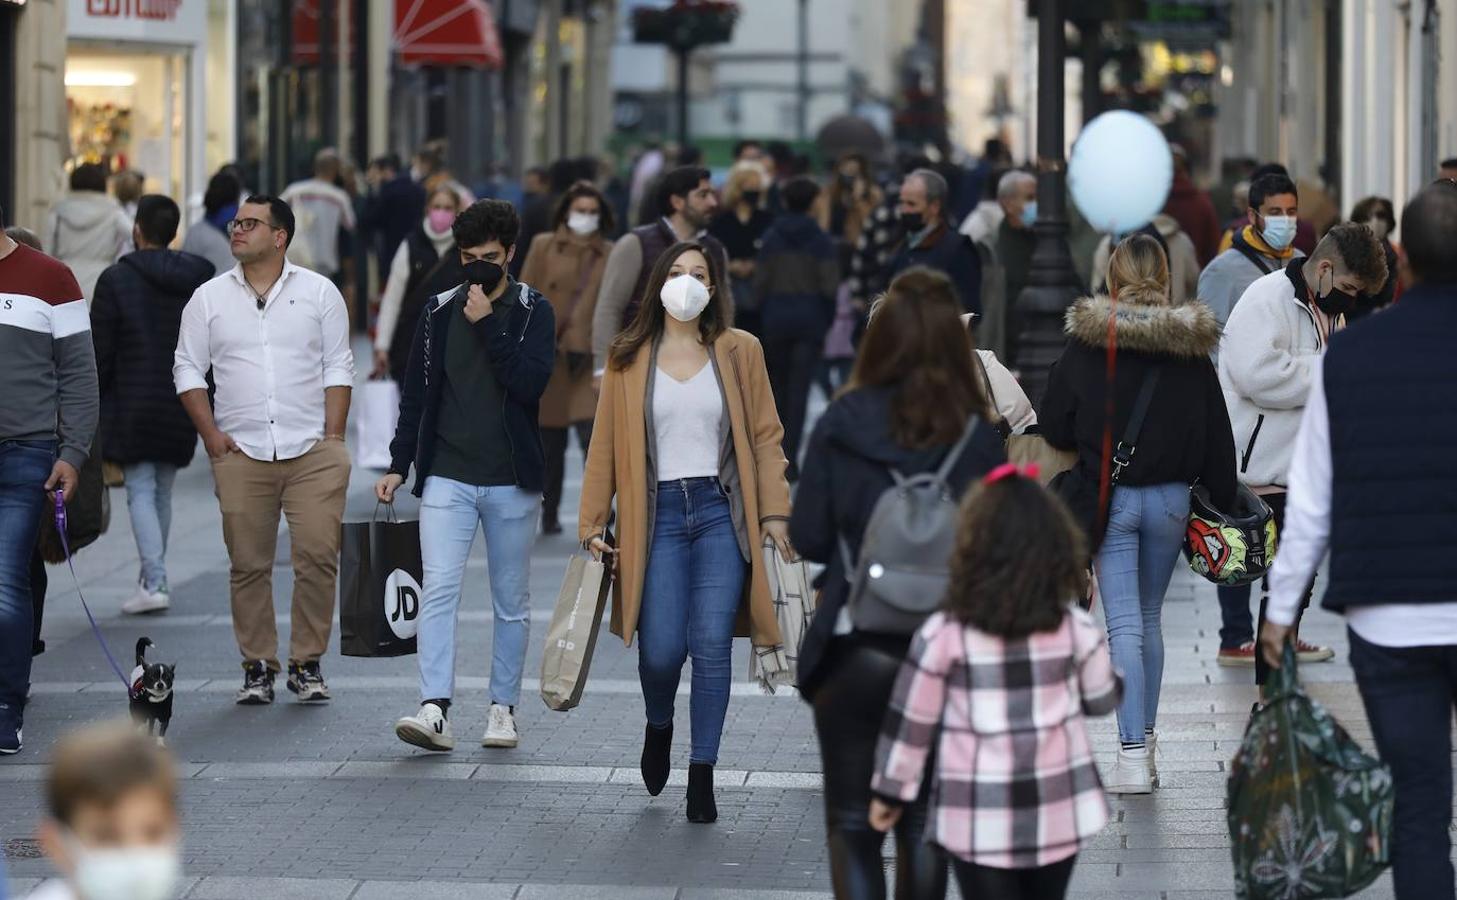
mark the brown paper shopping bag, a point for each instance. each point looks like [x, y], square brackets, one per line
[572, 635]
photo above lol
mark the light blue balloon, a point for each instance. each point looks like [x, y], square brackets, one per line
[1120, 172]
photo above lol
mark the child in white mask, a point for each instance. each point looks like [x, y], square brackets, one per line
[112, 828]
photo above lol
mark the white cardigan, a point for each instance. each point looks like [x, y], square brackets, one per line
[1266, 359]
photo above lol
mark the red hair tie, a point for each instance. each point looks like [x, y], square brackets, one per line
[1011, 470]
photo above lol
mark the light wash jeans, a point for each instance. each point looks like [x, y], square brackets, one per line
[1145, 534]
[690, 599]
[149, 502]
[449, 511]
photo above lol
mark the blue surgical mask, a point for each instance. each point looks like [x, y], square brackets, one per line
[1029, 213]
[1279, 231]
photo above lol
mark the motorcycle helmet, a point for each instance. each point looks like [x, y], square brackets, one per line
[1230, 548]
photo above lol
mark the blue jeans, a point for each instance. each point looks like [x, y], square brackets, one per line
[1409, 693]
[24, 468]
[690, 599]
[1145, 533]
[149, 501]
[449, 511]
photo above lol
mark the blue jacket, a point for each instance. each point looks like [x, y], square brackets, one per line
[390, 214]
[522, 349]
[796, 278]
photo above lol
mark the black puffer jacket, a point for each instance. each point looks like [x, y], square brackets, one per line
[135, 317]
[1186, 436]
[851, 453]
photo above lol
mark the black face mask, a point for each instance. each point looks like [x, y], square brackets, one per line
[913, 222]
[484, 273]
[752, 197]
[847, 181]
[1335, 303]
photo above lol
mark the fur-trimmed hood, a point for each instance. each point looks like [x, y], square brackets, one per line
[1188, 331]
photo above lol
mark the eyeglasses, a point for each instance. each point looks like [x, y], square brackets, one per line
[247, 225]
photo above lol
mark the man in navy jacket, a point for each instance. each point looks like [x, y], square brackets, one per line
[1371, 480]
[481, 358]
[931, 242]
[393, 208]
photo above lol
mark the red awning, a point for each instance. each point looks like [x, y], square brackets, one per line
[446, 33]
[304, 32]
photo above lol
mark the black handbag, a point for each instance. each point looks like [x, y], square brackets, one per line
[1082, 493]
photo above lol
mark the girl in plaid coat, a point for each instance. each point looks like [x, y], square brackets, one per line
[999, 680]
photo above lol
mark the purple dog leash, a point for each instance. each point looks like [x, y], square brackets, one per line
[66, 546]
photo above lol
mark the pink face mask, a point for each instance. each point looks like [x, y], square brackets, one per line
[440, 220]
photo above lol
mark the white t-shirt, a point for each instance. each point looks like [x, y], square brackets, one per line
[320, 209]
[686, 417]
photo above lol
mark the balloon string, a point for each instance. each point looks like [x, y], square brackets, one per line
[1105, 479]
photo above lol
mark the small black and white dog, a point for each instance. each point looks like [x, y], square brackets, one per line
[151, 692]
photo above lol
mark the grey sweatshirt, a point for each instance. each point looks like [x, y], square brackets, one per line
[47, 365]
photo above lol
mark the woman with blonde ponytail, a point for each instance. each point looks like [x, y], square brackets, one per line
[1147, 345]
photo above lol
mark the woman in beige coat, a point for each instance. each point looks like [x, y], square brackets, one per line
[566, 265]
[689, 442]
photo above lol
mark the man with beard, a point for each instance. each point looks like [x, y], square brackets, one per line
[686, 204]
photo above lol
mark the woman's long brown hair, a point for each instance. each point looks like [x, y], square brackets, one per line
[916, 344]
[1018, 559]
[717, 317]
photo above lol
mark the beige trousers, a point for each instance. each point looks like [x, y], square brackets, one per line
[309, 490]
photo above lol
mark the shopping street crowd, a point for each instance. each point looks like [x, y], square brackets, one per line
[1275, 374]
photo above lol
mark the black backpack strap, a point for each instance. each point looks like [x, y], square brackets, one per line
[1123, 455]
[949, 463]
[1248, 253]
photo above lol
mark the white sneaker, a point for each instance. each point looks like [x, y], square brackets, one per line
[1129, 774]
[145, 601]
[428, 728]
[500, 728]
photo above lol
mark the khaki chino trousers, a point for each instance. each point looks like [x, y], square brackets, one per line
[309, 490]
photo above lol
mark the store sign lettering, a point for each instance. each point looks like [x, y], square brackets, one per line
[154, 10]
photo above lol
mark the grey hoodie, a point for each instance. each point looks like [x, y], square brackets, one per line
[1231, 273]
[88, 231]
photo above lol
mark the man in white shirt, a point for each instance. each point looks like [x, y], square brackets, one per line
[1372, 480]
[276, 338]
[321, 208]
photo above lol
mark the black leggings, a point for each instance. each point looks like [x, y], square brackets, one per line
[848, 706]
[1047, 882]
[554, 449]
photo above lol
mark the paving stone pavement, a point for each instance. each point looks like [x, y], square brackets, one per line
[323, 802]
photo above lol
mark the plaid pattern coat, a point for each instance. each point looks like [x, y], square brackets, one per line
[1015, 784]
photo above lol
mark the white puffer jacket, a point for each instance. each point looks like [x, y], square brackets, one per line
[1265, 359]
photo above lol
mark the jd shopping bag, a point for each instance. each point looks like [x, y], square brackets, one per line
[1309, 812]
[379, 588]
[376, 410]
[572, 636]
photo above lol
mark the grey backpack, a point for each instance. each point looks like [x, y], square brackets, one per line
[905, 555]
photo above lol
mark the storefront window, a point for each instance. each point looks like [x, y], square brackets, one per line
[288, 76]
[125, 111]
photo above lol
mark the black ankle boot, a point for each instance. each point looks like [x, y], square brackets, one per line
[657, 751]
[701, 808]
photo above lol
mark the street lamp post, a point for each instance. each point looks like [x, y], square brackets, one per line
[1052, 282]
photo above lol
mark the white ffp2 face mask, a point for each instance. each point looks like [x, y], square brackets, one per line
[684, 297]
[583, 223]
[131, 873]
